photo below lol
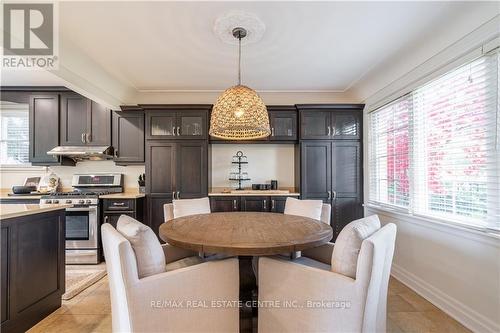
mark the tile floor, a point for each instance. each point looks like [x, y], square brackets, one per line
[90, 311]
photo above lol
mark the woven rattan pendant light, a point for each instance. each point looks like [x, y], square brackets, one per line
[239, 113]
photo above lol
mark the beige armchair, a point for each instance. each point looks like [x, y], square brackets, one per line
[321, 300]
[160, 302]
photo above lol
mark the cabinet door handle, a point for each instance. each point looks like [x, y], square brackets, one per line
[234, 205]
[272, 204]
[173, 195]
[329, 195]
[329, 130]
[173, 130]
[106, 218]
[178, 195]
[116, 153]
[334, 195]
[265, 204]
[272, 131]
[178, 130]
[88, 137]
[83, 137]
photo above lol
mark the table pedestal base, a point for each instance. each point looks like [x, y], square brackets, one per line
[248, 296]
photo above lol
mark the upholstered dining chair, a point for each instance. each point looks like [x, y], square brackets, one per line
[186, 207]
[347, 293]
[312, 209]
[151, 284]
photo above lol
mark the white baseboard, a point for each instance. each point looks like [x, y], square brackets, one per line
[459, 311]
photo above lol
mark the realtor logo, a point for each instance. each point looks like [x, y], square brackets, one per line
[29, 36]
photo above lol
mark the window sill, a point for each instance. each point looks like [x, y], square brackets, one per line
[442, 225]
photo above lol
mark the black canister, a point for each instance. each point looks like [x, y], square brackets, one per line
[274, 184]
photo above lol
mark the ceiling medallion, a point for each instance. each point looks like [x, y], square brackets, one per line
[239, 113]
[225, 24]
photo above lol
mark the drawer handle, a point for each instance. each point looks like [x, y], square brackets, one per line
[234, 204]
[265, 204]
[118, 204]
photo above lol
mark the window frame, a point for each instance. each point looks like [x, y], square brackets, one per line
[11, 166]
[411, 210]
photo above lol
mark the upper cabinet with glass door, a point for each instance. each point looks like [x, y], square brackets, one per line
[328, 122]
[283, 122]
[177, 123]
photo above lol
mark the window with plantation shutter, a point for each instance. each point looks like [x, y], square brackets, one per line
[14, 136]
[435, 151]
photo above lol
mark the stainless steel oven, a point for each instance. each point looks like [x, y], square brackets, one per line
[83, 218]
[82, 234]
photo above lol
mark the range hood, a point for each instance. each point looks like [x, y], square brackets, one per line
[79, 153]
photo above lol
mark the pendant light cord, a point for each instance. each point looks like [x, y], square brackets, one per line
[239, 58]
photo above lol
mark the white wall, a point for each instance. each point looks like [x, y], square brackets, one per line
[456, 269]
[10, 177]
[265, 162]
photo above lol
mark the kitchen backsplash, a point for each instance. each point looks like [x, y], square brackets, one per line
[265, 162]
[10, 177]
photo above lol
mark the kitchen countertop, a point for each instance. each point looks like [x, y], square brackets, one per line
[123, 195]
[4, 194]
[8, 211]
[131, 194]
[249, 192]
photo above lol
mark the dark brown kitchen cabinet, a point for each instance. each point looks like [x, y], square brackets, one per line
[114, 208]
[192, 169]
[43, 128]
[32, 272]
[156, 216]
[99, 125]
[177, 123]
[73, 119]
[161, 168]
[347, 178]
[332, 171]
[128, 137]
[315, 125]
[283, 123]
[178, 169]
[330, 122]
[174, 170]
[224, 204]
[161, 125]
[274, 204]
[278, 204]
[84, 122]
[255, 204]
[316, 169]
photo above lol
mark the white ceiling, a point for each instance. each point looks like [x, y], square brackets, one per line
[307, 46]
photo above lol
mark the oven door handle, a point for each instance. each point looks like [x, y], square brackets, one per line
[81, 209]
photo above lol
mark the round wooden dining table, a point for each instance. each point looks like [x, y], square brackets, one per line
[245, 233]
